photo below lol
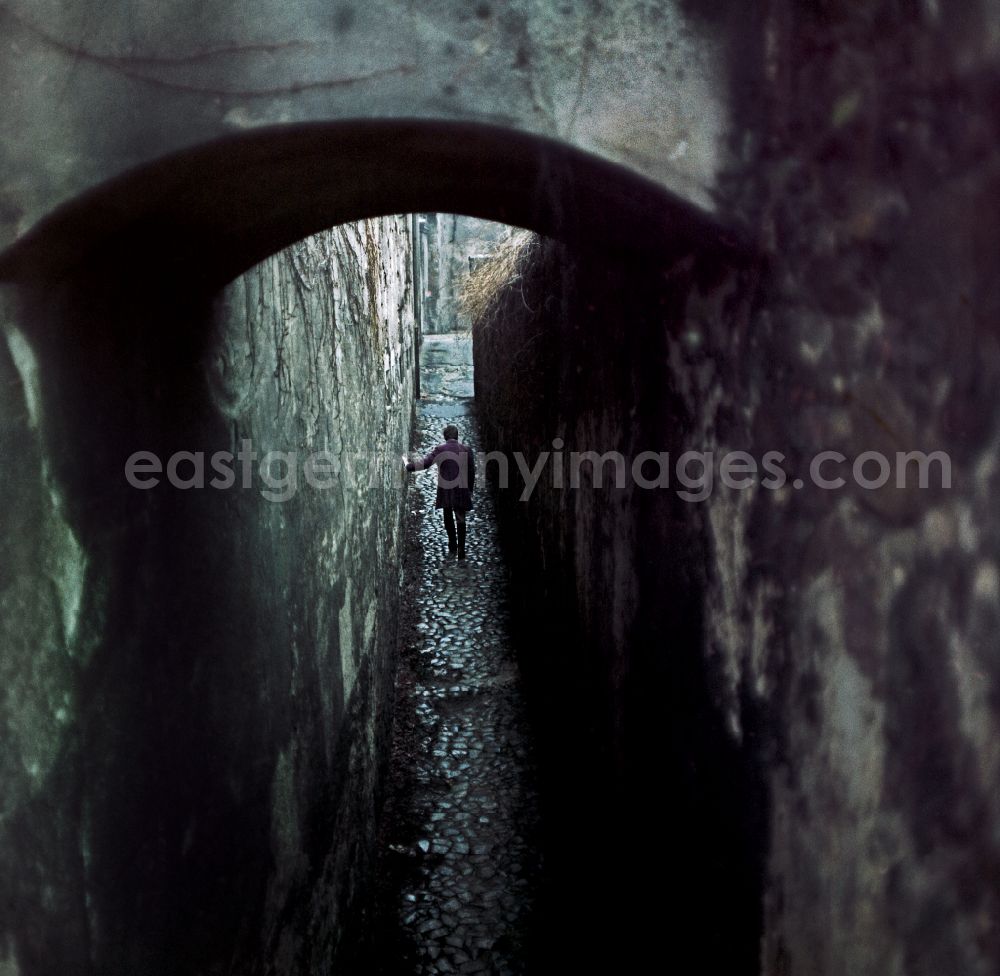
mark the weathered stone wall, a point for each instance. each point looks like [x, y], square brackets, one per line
[656, 827]
[196, 682]
[846, 638]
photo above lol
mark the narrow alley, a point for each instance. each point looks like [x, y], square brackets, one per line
[460, 864]
[716, 685]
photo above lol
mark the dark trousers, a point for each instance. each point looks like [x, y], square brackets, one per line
[456, 539]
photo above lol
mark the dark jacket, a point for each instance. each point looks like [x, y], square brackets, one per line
[456, 474]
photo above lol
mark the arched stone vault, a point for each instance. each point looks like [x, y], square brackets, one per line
[229, 204]
[93, 90]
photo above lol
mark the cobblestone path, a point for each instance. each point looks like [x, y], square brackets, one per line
[460, 849]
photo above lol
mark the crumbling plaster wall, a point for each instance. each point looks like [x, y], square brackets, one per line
[866, 619]
[848, 637]
[93, 89]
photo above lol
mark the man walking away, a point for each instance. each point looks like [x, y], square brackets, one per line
[456, 480]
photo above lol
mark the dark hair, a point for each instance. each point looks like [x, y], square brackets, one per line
[451, 433]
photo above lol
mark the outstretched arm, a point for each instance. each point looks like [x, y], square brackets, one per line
[423, 463]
